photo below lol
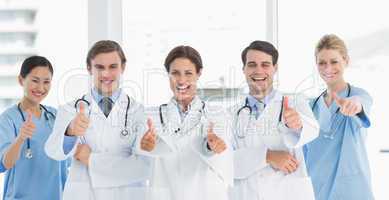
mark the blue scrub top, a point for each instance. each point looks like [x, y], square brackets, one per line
[337, 160]
[39, 177]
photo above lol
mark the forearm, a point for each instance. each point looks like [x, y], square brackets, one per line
[12, 154]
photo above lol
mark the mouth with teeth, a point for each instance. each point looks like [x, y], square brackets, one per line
[38, 94]
[106, 82]
[258, 79]
[183, 88]
[329, 75]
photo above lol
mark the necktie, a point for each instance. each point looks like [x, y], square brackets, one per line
[259, 106]
[106, 105]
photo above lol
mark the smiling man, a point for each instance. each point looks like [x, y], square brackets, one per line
[269, 133]
[104, 125]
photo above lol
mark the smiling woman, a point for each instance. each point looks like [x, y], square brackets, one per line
[24, 129]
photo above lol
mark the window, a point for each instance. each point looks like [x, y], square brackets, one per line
[218, 32]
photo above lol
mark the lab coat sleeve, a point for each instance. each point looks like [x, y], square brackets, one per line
[115, 170]
[221, 164]
[249, 159]
[362, 119]
[54, 146]
[122, 168]
[7, 135]
[310, 129]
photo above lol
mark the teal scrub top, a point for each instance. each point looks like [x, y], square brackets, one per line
[337, 160]
[39, 177]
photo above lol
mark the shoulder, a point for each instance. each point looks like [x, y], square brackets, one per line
[354, 90]
[9, 113]
[50, 109]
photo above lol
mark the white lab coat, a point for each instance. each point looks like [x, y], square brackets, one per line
[115, 171]
[254, 179]
[183, 168]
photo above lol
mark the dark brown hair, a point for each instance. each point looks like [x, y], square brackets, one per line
[263, 46]
[184, 52]
[105, 46]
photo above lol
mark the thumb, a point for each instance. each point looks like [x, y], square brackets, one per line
[150, 123]
[82, 108]
[29, 116]
[286, 103]
[339, 101]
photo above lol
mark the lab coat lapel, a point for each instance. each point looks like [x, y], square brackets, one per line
[267, 122]
[193, 116]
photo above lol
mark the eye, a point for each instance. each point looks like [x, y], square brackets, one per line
[334, 62]
[266, 65]
[35, 80]
[321, 63]
[188, 73]
[251, 65]
[99, 67]
[47, 82]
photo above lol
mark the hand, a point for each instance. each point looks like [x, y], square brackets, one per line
[28, 128]
[291, 117]
[216, 144]
[82, 154]
[282, 160]
[79, 124]
[348, 106]
[149, 138]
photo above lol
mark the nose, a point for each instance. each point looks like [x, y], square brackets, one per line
[41, 87]
[180, 79]
[104, 73]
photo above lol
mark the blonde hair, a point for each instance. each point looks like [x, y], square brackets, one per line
[332, 41]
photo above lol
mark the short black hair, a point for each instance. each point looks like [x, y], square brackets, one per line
[32, 62]
[263, 46]
[184, 52]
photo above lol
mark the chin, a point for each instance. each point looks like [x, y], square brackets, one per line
[183, 97]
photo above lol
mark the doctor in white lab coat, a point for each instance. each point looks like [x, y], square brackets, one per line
[189, 138]
[105, 165]
[270, 129]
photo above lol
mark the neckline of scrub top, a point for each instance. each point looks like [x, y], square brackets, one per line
[34, 118]
[333, 106]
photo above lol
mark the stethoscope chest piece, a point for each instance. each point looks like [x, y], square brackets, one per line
[28, 153]
[124, 133]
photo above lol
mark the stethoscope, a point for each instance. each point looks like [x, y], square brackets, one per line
[28, 153]
[201, 111]
[241, 134]
[332, 132]
[124, 132]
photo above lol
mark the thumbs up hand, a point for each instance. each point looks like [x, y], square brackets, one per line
[80, 123]
[215, 143]
[149, 138]
[28, 128]
[291, 117]
[348, 106]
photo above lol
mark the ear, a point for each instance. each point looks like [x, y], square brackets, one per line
[20, 80]
[275, 67]
[199, 73]
[89, 68]
[123, 67]
[347, 60]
